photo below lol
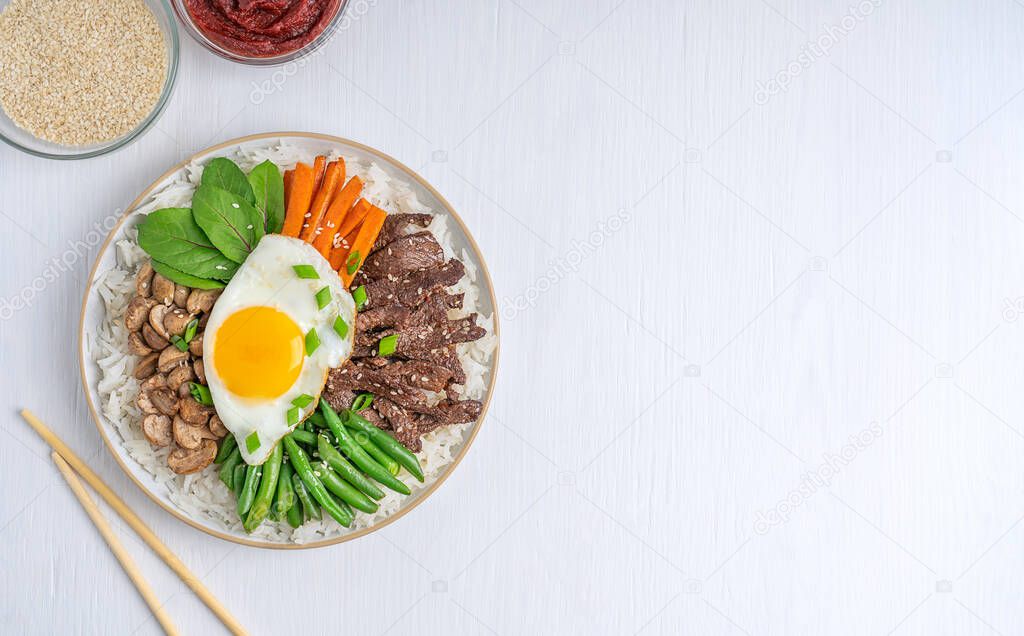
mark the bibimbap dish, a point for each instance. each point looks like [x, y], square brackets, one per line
[289, 343]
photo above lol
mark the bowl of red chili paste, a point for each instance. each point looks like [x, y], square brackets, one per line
[260, 32]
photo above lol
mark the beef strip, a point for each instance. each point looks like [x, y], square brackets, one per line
[413, 289]
[404, 255]
[397, 224]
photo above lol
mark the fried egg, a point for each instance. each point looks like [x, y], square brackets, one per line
[282, 322]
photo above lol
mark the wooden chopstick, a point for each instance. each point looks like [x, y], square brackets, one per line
[135, 522]
[115, 545]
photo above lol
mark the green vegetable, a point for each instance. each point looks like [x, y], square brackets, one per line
[268, 186]
[238, 479]
[359, 295]
[232, 223]
[292, 416]
[388, 444]
[357, 454]
[310, 508]
[340, 327]
[362, 401]
[294, 514]
[227, 471]
[225, 174]
[201, 394]
[252, 442]
[180, 343]
[253, 473]
[323, 297]
[172, 237]
[312, 341]
[300, 461]
[188, 280]
[304, 437]
[190, 329]
[303, 400]
[343, 489]
[284, 498]
[375, 452]
[227, 447]
[387, 345]
[316, 420]
[306, 271]
[352, 264]
[268, 488]
[347, 471]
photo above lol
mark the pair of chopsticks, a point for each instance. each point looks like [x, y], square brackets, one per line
[69, 463]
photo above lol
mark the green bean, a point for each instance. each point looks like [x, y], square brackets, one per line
[253, 473]
[388, 444]
[344, 490]
[285, 495]
[356, 453]
[304, 437]
[347, 471]
[309, 507]
[227, 447]
[227, 471]
[316, 488]
[374, 451]
[238, 478]
[294, 514]
[316, 420]
[341, 503]
[268, 487]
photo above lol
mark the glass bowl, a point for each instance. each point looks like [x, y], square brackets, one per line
[200, 37]
[23, 140]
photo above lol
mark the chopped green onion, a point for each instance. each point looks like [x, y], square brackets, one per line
[190, 329]
[293, 416]
[305, 271]
[252, 442]
[200, 393]
[180, 343]
[303, 401]
[362, 401]
[352, 264]
[359, 295]
[387, 345]
[312, 341]
[323, 297]
[340, 327]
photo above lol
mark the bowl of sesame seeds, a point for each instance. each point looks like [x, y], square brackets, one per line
[81, 78]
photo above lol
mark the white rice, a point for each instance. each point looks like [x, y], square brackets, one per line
[202, 496]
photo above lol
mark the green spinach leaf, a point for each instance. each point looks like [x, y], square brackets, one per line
[172, 236]
[268, 186]
[231, 222]
[182, 278]
[224, 174]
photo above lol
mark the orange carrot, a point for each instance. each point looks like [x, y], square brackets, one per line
[298, 200]
[368, 231]
[340, 253]
[328, 188]
[288, 176]
[319, 165]
[355, 217]
[324, 241]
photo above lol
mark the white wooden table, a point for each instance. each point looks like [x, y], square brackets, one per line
[710, 283]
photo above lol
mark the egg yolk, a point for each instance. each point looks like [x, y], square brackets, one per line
[258, 352]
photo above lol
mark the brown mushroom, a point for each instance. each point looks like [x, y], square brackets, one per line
[179, 376]
[183, 461]
[144, 279]
[217, 426]
[203, 319]
[171, 357]
[146, 366]
[163, 289]
[201, 300]
[185, 390]
[175, 322]
[193, 412]
[189, 436]
[195, 347]
[153, 339]
[156, 319]
[137, 313]
[200, 369]
[137, 345]
[145, 404]
[164, 400]
[181, 295]
[157, 429]
[155, 381]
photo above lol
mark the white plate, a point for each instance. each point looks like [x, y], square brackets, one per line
[93, 314]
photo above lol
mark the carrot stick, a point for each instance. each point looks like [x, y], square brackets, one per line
[342, 203]
[368, 232]
[319, 165]
[298, 202]
[288, 176]
[328, 188]
[355, 217]
[340, 253]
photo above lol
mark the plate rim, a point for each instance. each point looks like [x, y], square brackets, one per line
[349, 536]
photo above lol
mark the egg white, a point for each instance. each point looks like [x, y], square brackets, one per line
[266, 279]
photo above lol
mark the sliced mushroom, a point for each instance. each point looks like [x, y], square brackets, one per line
[155, 381]
[185, 390]
[179, 376]
[184, 461]
[137, 345]
[137, 313]
[200, 369]
[170, 358]
[145, 404]
[175, 322]
[164, 400]
[195, 347]
[189, 436]
[153, 339]
[146, 366]
[163, 289]
[217, 426]
[181, 294]
[157, 429]
[205, 318]
[193, 412]
[201, 300]
[144, 279]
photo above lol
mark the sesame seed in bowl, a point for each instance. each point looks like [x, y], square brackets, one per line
[79, 78]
